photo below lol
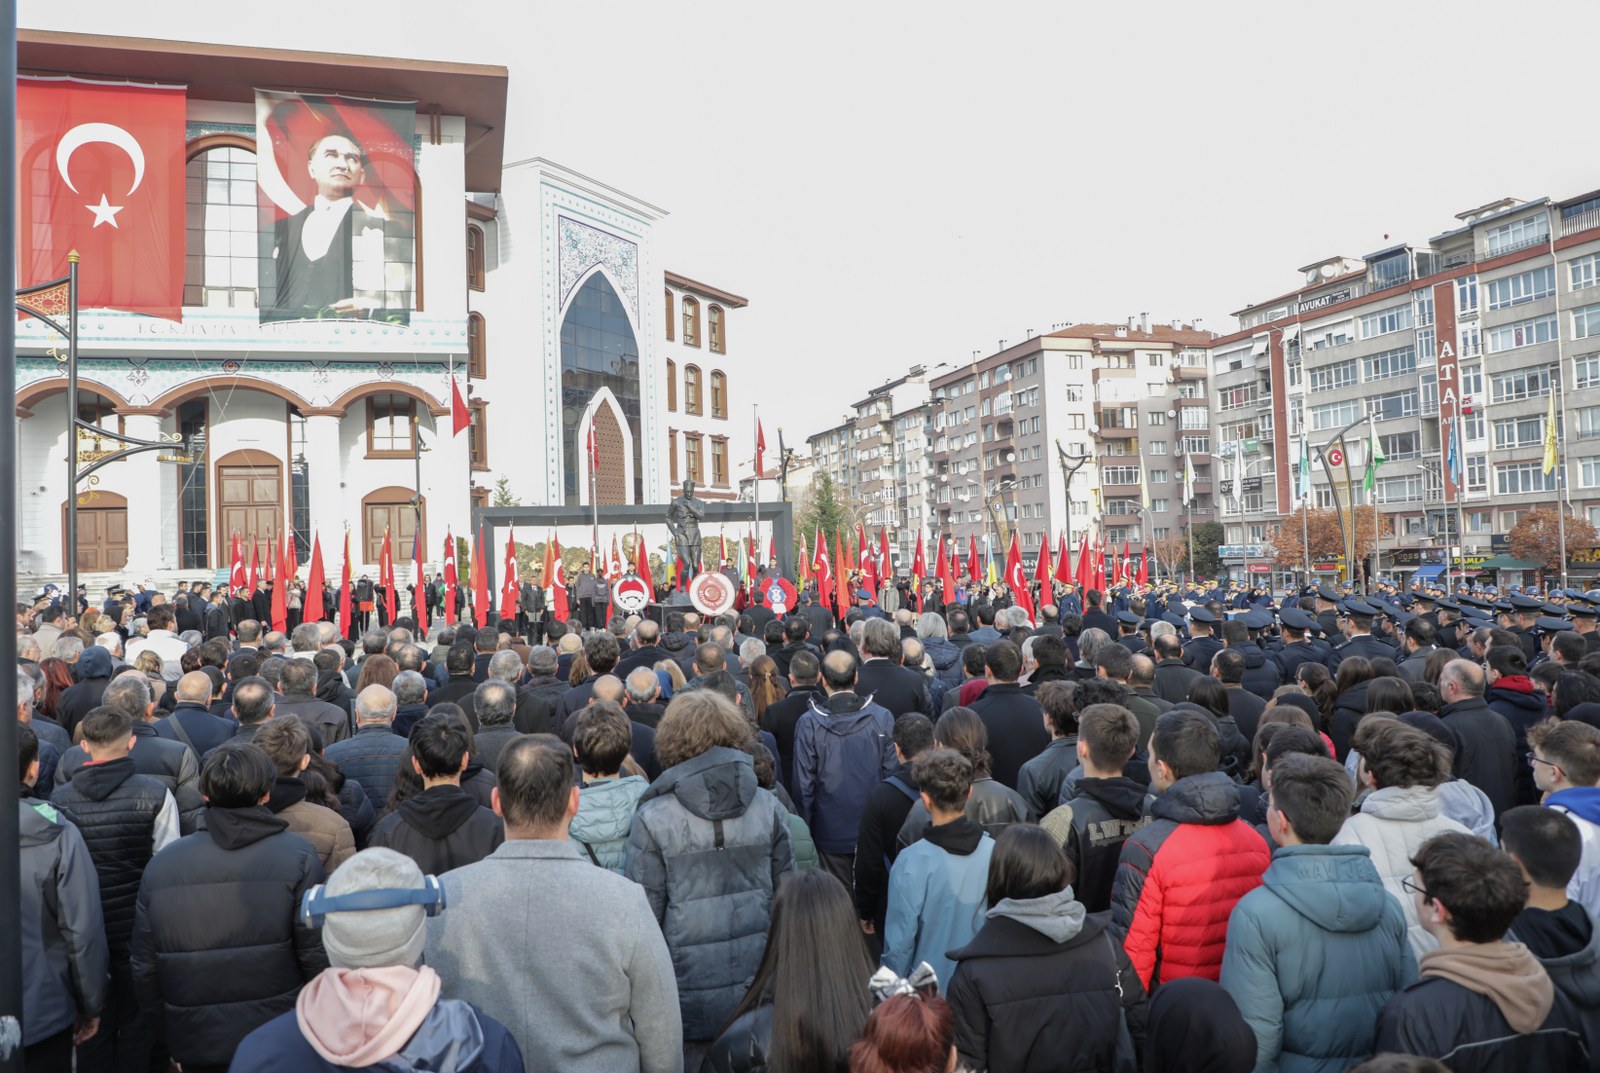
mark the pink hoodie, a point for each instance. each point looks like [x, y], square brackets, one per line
[359, 1017]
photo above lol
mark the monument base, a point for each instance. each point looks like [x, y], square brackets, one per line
[678, 600]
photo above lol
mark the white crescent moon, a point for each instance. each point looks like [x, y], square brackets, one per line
[86, 133]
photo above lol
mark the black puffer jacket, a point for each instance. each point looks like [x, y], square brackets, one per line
[1102, 814]
[1262, 671]
[1044, 988]
[170, 763]
[1347, 713]
[441, 828]
[217, 947]
[116, 810]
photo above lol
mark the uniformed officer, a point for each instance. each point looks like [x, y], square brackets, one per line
[1202, 644]
[1586, 621]
[1128, 632]
[1328, 614]
[1298, 646]
[1525, 611]
[1448, 615]
[1358, 616]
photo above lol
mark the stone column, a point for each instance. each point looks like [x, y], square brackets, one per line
[330, 508]
[142, 475]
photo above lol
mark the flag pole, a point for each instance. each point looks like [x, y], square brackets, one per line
[1372, 467]
[755, 467]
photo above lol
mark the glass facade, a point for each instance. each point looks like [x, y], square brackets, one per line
[193, 531]
[598, 350]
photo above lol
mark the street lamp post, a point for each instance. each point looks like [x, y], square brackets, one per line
[1242, 471]
[1070, 465]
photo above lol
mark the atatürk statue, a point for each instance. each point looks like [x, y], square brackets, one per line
[683, 522]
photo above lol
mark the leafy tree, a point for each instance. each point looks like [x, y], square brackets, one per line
[823, 510]
[1537, 538]
[1205, 538]
[1327, 539]
[502, 494]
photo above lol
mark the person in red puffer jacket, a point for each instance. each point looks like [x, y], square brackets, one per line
[1180, 876]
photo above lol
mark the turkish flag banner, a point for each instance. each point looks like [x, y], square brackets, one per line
[100, 170]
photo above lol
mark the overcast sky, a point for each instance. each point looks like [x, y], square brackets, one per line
[895, 183]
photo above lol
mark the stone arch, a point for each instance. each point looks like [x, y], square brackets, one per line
[39, 390]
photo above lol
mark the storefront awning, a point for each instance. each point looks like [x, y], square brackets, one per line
[1427, 572]
[1506, 562]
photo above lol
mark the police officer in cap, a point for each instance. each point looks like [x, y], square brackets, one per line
[1526, 610]
[1202, 644]
[1358, 617]
[1298, 647]
[1586, 620]
[1128, 632]
[1328, 614]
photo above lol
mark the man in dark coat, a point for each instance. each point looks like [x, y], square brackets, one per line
[1487, 757]
[175, 765]
[1228, 666]
[805, 685]
[1094, 614]
[538, 694]
[646, 650]
[442, 827]
[1173, 675]
[796, 634]
[891, 686]
[460, 683]
[372, 756]
[218, 949]
[1297, 649]
[1358, 616]
[885, 812]
[1262, 673]
[218, 623]
[191, 721]
[94, 672]
[1202, 645]
[1014, 720]
[297, 687]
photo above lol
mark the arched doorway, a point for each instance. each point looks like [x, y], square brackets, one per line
[102, 532]
[392, 509]
[249, 502]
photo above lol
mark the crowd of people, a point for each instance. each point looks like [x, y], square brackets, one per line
[1147, 829]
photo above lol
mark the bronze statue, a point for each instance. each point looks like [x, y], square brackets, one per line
[683, 523]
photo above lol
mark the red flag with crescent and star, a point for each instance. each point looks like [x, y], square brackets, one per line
[972, 559]
[450, 579]
[100, 170]
[344, 587]
[311, 605]
[1064, 562]
[1016, 580]
[236, 576]
[822, 568]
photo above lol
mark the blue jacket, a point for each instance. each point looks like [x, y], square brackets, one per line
[936, 897]
[843, 747]
[455, 1037]
[946, 661]
[1313, 954]
[605, 813]
[370, 757]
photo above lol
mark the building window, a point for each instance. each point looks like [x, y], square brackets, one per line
[1385, 321]
[1584, 272]
[1516, 235]
[477, 344]
[1191, 418]
[1522, 333]
[672, 456]
[1335, 414]
[599, 351]
[1399, 404]
[672, 385]
[719, 339]
[1589, 473]
[222, 244]
[475, 257]
[1586, 370]
[1401, 445]
[478, 435]
[1514, 432]
[1586, 322]
[719, 393]
[719, 462]
[691, 389]
[1467, 294]
[1390, 363]
[1520, 478]
[391, 426]
[1339, 374]
[1155, 418]
[1520, 384]
[694, 460]
[671, 326]
[1525, 287]
[691, 321]
[193, 529]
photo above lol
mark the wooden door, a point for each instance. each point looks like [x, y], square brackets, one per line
[250, 502]
[102, 539]
[392, 508]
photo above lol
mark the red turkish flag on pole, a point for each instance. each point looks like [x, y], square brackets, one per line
[386, 575]
[1126, 568]
[480, 583]
[1144, 567]
[100, 171]
[448, 613]
[558, 584]
[272, 556]
[919, 564]
[316, 581]
[1016, 581]
[761, 450]
[344, 587]
[1041, 569]
[885, 560]
[869, 566]
[642, 561]
[510, 587]
[418, 586]
[255, 563]
[802, 560]
[841, 580]
[1064, 562]
[861, 547]
[236, 576]
[972, 560]
[1082, 575]
[280, 594]
[947, 573]
[291, 557]
[822, 568]
[460, 415]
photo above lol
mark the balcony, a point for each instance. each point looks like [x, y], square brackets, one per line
[1192, 372]
[1582, 221]
[1119, 519]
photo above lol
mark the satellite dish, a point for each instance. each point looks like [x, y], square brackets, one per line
[1329, 271]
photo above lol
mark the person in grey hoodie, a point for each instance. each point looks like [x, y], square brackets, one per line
[728, 841]
[1316, 950]
[606, 805]
[66, 963]
[1042, 978]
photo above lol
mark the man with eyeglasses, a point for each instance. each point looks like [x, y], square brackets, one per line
[1565, 756]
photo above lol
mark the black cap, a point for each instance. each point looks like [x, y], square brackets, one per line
[1325, 592]
[1127, 618]
[1257, 619]
[1200, 614]
[1354, 605]
[1296, 619]
[1520, 602]
[1583, 609]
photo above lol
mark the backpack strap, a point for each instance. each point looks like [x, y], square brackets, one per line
[183, 735]
[590, 851]
[904, 787]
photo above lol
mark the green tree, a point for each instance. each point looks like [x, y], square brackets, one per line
[502, 494]
[1205, 538]
[823, 510]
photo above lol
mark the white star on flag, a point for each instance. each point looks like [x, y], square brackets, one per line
[105, 212]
